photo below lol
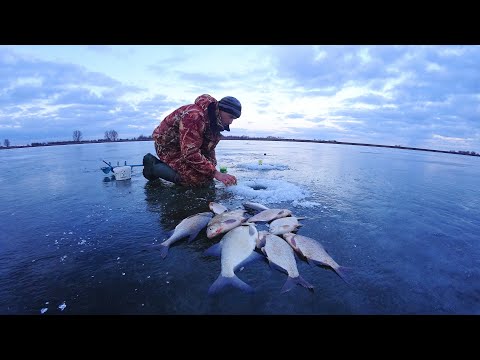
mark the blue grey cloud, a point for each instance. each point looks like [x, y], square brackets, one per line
[42, 99]
[438, 92]
[406, 95]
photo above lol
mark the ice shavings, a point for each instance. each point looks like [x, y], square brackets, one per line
[304, 203]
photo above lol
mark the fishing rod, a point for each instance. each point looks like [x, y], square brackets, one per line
[106, 170]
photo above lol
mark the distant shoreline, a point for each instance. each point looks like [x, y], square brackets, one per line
[270, 138]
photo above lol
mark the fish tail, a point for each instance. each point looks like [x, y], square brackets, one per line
[163, 250]
[148, 247]
[291, 282]
[342, 271]
[223, 281]
[304, 283]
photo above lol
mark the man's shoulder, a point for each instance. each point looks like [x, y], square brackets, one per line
[194, 112]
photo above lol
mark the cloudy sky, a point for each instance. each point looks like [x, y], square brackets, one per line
[419, 96]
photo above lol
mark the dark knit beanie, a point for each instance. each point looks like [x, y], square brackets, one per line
[230, 105]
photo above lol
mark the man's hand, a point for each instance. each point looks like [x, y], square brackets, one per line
[225, 178]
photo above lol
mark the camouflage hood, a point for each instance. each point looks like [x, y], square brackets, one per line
[210, 106]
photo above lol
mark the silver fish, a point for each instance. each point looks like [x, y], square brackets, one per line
[284, 225]
[253, 206]
[224, 222]
[314, 252]
[189, 226]
[269, 215]
[236, 248]
[216, 207]
[280, 254]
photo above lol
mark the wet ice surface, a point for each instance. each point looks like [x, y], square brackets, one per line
[75, 241]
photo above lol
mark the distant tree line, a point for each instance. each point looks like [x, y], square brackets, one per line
[77, 136]
[275, 138]
[112, 135]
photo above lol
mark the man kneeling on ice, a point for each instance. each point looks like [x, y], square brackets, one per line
[185, 142]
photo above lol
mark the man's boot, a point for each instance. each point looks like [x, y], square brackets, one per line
[154, 168]
[148, 162]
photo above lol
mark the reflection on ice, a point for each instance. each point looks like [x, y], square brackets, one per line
[262, 166]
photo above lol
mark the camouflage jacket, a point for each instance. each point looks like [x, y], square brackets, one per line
[186, 140]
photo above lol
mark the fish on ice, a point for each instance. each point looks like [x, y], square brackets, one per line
[314, 252]
[281, 255]
[226, 221]
[269, 215]
[217, 208]
[189, 226]
[236, 249]
[284, 225]
[253, 206]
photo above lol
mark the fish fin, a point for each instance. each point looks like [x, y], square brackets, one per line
[340, 270]
[289, 285]
[163, 250]
[214, 250]
[229, 221]
[234, 281]
[301, 281]
[193, 236]
[291, 282]
[252, 257]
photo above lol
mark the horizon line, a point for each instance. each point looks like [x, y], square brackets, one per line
[244, 137]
